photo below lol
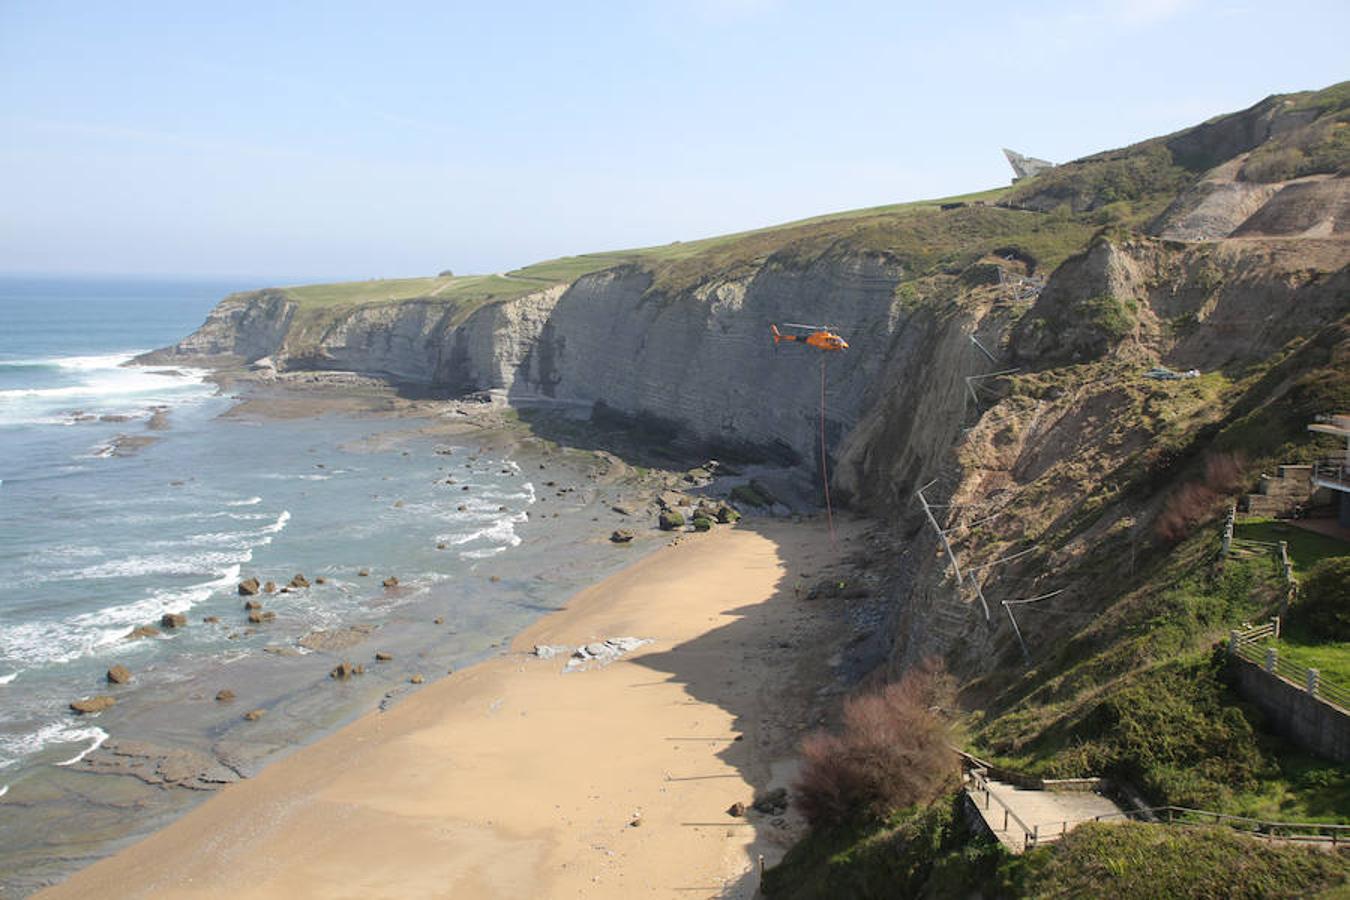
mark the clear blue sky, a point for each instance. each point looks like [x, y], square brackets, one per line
[348, 140]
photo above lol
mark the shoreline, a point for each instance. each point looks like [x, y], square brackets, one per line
[170, 742]
[412, 801]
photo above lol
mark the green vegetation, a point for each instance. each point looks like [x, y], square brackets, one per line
[753, 494]
[923, 851]
[1130, 861]
[1316, 634]
[702, 523]
[1131, 175]
[929, 852]
[1321, 146]
[1306, 548]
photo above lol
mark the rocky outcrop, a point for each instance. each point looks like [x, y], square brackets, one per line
[245, 326]
[92, 705]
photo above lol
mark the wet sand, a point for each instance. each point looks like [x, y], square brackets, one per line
[516, 779]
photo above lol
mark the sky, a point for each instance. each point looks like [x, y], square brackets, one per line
[345, 140]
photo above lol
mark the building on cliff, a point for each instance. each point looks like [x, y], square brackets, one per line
[1334, 473]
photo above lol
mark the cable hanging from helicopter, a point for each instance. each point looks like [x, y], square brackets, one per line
[825, 338]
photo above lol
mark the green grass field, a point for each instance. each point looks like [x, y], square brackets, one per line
[1306, 548]
[681, 262]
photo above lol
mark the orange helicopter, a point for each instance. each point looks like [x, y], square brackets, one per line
[821, 337]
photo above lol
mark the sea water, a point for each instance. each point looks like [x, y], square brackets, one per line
[129, 492]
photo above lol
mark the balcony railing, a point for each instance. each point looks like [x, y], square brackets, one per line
[1332, 471]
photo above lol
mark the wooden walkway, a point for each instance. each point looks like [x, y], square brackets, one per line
[1021, 818]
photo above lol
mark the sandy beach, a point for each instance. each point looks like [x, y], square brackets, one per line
[514, 778]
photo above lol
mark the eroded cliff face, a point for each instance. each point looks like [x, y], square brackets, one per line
[703, 361]
[243, 326]
[1071, 459]
[1051, 455]
[700, 362]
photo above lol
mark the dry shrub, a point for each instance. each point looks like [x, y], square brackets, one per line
[891, 753]
[1198, 501]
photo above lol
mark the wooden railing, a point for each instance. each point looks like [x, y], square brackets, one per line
[1285, 831]
[1250, 646]
[980, 785]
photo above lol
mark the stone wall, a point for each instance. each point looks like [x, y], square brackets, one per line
[1312, 723]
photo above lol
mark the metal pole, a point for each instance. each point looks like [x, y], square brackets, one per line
[979, 592]
[956, 569]
[976, 341]
[1026, 655]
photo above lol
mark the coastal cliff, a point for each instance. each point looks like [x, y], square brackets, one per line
[1077, 371]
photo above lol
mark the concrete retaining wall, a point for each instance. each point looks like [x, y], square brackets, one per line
[1312, 723]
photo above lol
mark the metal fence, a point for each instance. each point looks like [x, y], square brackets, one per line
[1285, 831]
[1252, 646]
[1336, 471]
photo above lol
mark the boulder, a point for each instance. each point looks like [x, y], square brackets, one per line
[391, 581]
[363, 572]
[173, 620]
[270, 587]
[90, 705]
[670, 520]
[621, 536]
[211, 620]
[344, 670]
[439, 620]
[416, 679]
[726, 515]
[672, 499]
[252, 604]
[736, 809]
[299, 581]
[142, 631]
[248, 587]
[259, 616]
[254, 715]
[383, 656]
[772, 803]
[320, 580]
[119, 675]
[225, 695]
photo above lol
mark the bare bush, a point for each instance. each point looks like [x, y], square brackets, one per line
[891, 753]
[1198, 501]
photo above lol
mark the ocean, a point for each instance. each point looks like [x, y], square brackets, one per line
[128, 492]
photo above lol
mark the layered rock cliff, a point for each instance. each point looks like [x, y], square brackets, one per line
[1221, 249]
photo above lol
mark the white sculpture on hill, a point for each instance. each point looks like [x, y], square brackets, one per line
[1025, 166]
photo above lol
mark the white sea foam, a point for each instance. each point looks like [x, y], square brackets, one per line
[251, 501]
[6, 679]
[281, 476]
[501, 531]
[4, 789]
[482, 554]
[17, 746]
[54, 642]
[158, 564]
[104, 385]
[97, 735]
